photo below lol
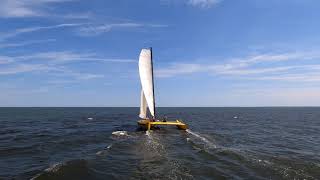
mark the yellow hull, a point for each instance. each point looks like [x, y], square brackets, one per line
[147, 124]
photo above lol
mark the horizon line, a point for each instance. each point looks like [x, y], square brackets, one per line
[156, 107]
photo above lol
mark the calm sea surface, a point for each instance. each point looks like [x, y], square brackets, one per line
[221, 143]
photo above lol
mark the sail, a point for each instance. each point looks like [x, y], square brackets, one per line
[143, 106]
[146, 77]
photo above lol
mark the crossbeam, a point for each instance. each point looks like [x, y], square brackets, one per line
[148, 124]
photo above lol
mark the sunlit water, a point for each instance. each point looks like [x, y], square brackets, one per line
[104, 143]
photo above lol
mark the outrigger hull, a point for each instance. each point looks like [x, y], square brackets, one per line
[147, 124]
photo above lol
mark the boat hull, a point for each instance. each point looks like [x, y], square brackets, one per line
[147, 124]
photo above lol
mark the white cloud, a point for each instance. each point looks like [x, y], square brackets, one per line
[235, 66]
[74, 16]
[83, 29]
[61, 57]
[203, 3]
[272, 57]
[280, 96]
[5, 59]
[90, 30]
[313, 76]
[52, 64]
[50, 70]
[61, 81]
[9, 45]
[58, 56]
[259, 67]
[235, 72]
[23, 68]
[25, 8]
[225, 69]
[194, 3]
[17, 32]
[16, 8]
[180, 69]
[96, 29]
[62, 71]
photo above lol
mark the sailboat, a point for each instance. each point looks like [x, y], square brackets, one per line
[148, 97]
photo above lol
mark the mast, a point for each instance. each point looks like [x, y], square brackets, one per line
[154, 100]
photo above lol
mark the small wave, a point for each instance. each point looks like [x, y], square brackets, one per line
[54, 167]
[120, 133]
[284, 168]
[205, 140]
[104, 151]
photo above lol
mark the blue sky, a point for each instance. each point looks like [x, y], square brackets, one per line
[206, 52]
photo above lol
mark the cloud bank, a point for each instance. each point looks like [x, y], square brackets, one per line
[290, 66]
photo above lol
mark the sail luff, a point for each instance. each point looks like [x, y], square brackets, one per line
[154, 99]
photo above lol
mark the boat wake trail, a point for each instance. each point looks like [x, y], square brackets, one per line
[153, 143]
[73, 169]
[157, 162]
[203, 139]
[148, 134]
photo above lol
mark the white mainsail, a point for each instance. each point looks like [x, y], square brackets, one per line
[143, 106]
[146, 77]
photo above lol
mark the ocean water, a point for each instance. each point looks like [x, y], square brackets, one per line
[221, 143]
